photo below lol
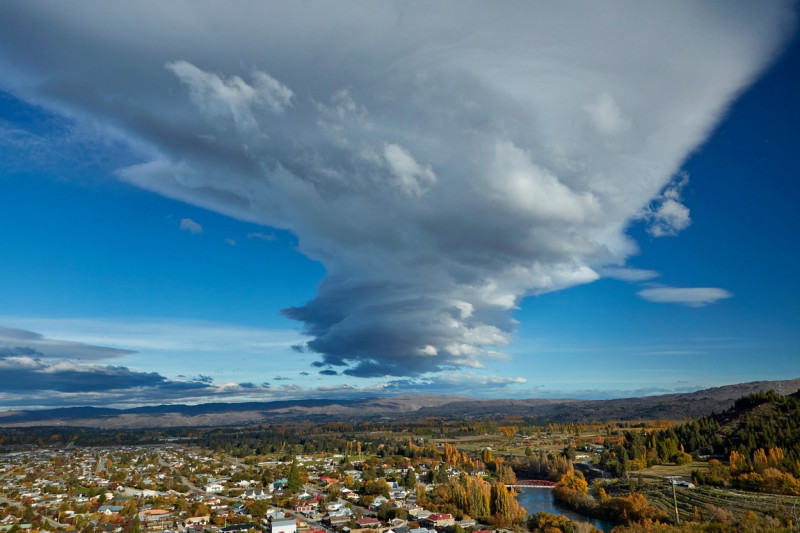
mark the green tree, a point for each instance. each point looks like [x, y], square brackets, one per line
[129, 508]
[548, 522]
[259, 508]
[293, 482]
[441, 475]
[569, 452]
[410, 479]
[486, 455]
[266, 477]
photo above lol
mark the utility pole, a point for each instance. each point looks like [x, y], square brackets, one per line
[675, 500]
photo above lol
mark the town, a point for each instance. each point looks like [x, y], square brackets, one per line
[175, 488]
[401, 476]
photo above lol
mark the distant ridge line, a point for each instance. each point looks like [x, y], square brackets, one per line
[666, 406]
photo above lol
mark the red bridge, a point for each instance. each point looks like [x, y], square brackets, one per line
[533, 484]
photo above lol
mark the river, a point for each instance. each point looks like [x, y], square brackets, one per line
[535, 500]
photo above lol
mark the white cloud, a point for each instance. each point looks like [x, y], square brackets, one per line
[523, 139]
[232, 97]
[191, 226]
[342, 119]
[666, 215]
[606, 114]
[689, 296]
[261, 236]
[412, 178]
[467, 379]
[627, 273]
[609, 394]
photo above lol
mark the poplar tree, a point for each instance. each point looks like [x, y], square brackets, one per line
[293, 482]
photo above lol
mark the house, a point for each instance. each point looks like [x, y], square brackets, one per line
[197, 520]
[435, 520]
[213, 488]
[419, 514]
[256, 494]
[336, 521]
[275, 514]
[398, 494]
[238, 527]
[108, 510]
[284, 526]
[153, 515]
[368, 521]
[22, 527]
[377, 502]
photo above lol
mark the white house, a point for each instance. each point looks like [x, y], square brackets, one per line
[284, 526]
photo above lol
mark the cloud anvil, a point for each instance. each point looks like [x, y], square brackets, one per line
[442, 161]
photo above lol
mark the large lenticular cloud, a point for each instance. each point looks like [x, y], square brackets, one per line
[442, 160]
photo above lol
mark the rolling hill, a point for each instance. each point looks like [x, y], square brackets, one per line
[668, 406]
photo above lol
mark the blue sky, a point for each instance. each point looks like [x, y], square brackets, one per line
[329, 209]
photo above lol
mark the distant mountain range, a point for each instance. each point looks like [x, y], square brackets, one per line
[667, 406]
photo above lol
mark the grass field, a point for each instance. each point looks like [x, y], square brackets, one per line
[514, 446]
[659, 472]
[736, 502]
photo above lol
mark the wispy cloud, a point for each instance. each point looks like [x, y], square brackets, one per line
[689, 296]
[187, 224]
[608, 394]
[150, 335]
[627, 273]
[666, 214]
[261, 236]
[20, 342]
[232, 98]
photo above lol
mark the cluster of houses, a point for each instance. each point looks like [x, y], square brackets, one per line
[42, 483]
